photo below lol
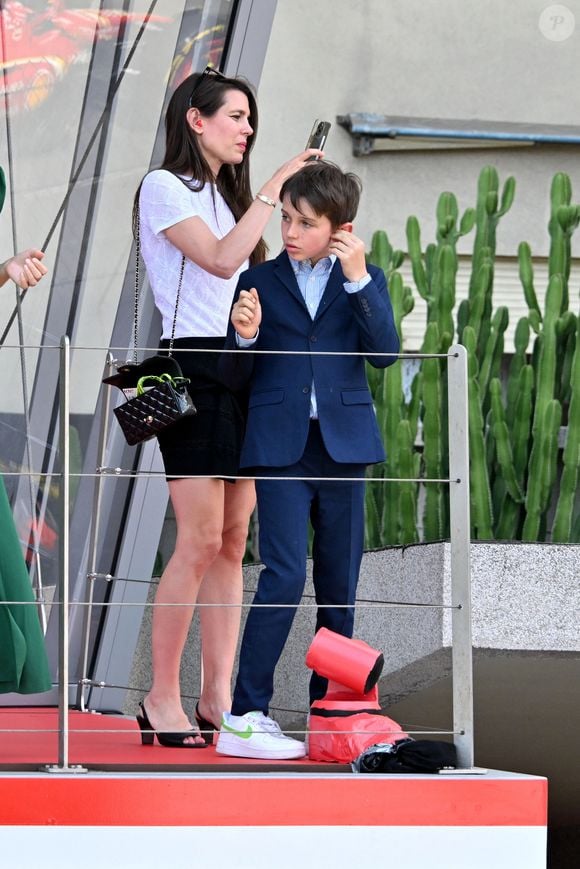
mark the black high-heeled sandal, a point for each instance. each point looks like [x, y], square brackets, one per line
[165, 738]
[206, 728]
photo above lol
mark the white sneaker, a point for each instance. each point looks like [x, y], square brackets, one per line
[256, 735]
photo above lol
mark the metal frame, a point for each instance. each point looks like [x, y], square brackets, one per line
[460, 557]
[246, 51]
[372, 132]
[63, 765]
[250, 34]
[133, 553]
[133, 593]
[112, 542]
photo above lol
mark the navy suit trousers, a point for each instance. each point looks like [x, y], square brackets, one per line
[336, 511]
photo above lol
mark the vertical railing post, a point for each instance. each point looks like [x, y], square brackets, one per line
[94, 535]
[63, 634]
[460, 558]
[63, 765]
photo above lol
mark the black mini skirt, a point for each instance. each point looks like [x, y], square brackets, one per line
[208, 443]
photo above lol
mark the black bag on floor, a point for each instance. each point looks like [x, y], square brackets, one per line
[407, 755]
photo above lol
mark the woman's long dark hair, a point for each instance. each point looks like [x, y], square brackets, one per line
[183, 156]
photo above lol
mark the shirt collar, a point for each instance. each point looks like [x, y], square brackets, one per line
[323, 265]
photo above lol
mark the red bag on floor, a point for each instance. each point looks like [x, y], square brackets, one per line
[343, 724]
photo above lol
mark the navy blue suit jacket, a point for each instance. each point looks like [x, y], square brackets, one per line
[280, 385]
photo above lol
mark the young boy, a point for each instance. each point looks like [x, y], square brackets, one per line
[310, 416]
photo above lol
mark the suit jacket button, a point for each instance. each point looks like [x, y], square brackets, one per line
[306, 389]
[313, 338]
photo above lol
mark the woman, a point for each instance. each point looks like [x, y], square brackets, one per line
[23, 662]
[197, 214]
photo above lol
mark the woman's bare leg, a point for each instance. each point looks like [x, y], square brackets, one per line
[199, 514]
[222, 583]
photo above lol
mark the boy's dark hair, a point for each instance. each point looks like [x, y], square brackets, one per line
[327, 189]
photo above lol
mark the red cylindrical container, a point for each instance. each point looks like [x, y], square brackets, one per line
[350, 662]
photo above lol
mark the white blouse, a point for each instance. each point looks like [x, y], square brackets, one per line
[205, 300]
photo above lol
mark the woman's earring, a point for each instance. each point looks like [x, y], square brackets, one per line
[195, 121]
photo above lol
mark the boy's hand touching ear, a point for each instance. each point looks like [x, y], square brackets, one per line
[350, 250]
[247, 314]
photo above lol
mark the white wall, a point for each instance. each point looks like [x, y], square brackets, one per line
[450, 59]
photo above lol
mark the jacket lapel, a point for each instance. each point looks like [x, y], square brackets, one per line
[283, 271]
[333, 289]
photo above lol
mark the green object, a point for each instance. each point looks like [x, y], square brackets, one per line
[491, 361]
[435, 272]
[162, 378]
[564, 219]
[523, 421]
[23, 661]
[562, 530]
[521, 341]
[508, 524]
[513, 426]
[541, 468]
[527, 279]
[546, 360]
[503, 443]
[390, 412]
[481, 508]
[488, 215]
[407, 502]
[432, 437]
[566, 331]
[383, 523]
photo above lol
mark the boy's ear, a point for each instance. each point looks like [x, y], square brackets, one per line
[346, 226]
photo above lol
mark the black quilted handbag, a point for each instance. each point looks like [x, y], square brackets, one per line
[154, 408]
[161, 397]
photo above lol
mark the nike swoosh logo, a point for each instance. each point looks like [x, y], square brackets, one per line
[243, 734]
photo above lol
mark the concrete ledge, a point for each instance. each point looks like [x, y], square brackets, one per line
[525, 597]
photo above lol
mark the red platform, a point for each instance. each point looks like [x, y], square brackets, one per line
[111, 742]
[149, 807]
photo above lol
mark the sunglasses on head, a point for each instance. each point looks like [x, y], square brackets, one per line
[210, 72]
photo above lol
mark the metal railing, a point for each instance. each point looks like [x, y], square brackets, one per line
[460, 567]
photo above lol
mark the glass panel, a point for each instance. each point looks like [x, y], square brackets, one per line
[84, 87]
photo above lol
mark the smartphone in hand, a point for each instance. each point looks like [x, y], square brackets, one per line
[318, 136]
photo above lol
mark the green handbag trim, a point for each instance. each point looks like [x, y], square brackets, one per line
[176, 382]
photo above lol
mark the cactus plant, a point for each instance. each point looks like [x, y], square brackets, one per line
[407, 495]
[521, 342]
[564, 218]
[526, 270]
[513, 429]
[562, 527]
[387, 389]
[508, 524]
[432, 448]
[542, 461]
[545, 368]
[481, 509]
[503, 444]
